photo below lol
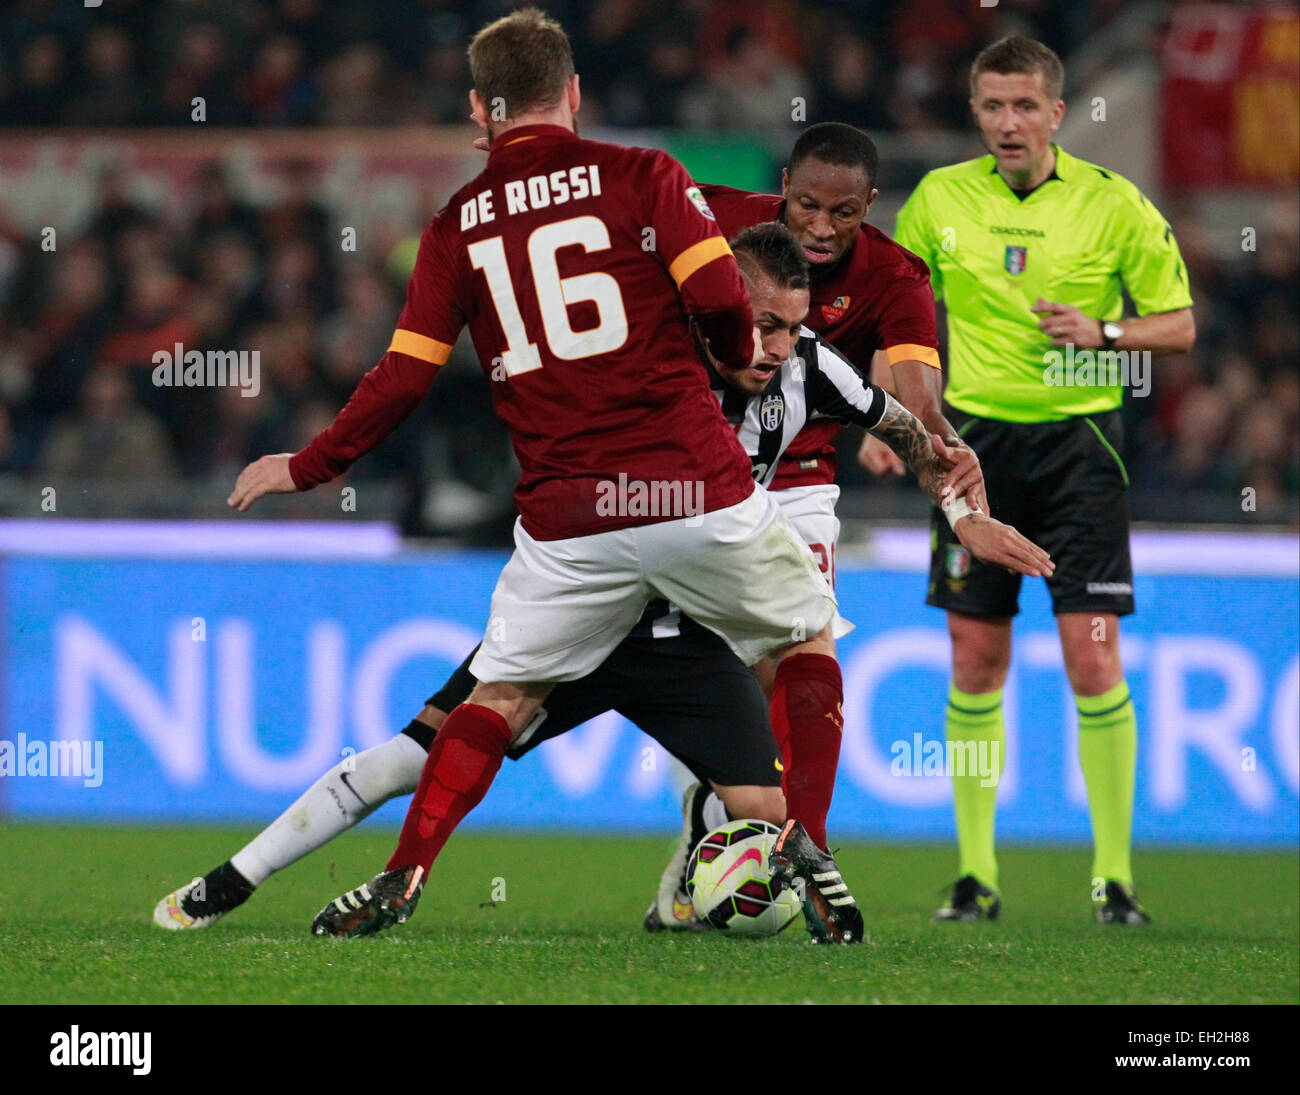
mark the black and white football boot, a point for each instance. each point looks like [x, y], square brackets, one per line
[204, 901]
[387, 899]
[672, 908]
[830, 913]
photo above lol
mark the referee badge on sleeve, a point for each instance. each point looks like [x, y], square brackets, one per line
[1016, 259]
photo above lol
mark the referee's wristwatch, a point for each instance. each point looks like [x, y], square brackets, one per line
[1111, 333]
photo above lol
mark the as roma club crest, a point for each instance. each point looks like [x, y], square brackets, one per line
[834, 311]
[771, 411]
[1016, 259]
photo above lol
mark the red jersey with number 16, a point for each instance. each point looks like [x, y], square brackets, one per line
[877, 298]
[575, 264]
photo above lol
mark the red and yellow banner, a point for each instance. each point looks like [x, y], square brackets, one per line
[1231, 97]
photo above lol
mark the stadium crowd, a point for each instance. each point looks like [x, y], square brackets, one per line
[78, 327]
[692, 63]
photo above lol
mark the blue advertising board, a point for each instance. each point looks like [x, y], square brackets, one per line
[216, 690]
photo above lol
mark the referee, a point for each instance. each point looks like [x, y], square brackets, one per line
[1031, 250]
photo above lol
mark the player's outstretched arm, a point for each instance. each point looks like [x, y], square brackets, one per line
[269, 475]
[380, 403]
[945, 473]
[919, 388]
[942, 471]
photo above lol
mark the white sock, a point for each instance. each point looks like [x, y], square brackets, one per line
[714, 813]
[348, 793]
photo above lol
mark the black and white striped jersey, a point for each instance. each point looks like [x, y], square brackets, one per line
[815, 382]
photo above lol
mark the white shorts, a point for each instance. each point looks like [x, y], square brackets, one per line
[561, 606]
[811, 510]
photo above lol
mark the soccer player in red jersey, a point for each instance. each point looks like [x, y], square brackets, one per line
[575, 265]
[870, 298]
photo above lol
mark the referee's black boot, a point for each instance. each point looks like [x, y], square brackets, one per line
[969, 900]
[1121, 906]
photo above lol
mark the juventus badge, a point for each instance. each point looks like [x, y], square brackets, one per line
[772, 411]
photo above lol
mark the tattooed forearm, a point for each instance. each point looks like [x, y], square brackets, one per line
[903, 432]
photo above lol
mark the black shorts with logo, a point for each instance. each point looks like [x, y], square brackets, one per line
[1061, 484]
[689, 692]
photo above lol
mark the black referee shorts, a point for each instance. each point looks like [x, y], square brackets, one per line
[690, 693]
[1063, 485]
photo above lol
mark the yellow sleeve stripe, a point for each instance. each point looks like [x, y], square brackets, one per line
[927, 355]
[420, 346]
[695, 256]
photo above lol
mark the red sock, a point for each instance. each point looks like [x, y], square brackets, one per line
[806, 717]
[781, 731]
[463, 760]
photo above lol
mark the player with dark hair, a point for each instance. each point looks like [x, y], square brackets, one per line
[1032, 250]
[769, 251]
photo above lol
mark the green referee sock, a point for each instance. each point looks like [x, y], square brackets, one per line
[977, 718]
[1108, 756]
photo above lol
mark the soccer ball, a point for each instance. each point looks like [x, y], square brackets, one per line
[731, 884]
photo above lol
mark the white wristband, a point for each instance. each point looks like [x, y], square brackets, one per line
[957, 508]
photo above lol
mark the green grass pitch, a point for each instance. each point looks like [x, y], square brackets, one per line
[75, 905]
